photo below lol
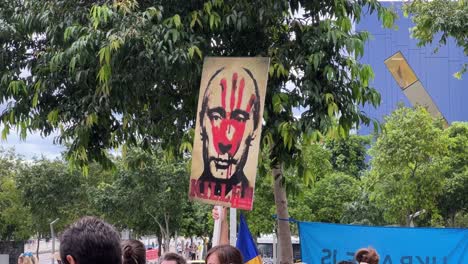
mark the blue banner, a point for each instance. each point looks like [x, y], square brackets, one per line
[331, 243]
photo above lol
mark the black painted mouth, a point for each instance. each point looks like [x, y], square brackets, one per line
[223, 164]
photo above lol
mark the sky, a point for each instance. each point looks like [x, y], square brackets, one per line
[35, 146]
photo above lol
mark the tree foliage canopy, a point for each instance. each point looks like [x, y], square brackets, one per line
[149, 196]
[15, 217]
[405, 173]
[50, 190]
[331, 195]
[349, 154]
[453, 199]
[440, 19]
[109, 74]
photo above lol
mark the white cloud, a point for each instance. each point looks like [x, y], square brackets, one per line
[34, 146]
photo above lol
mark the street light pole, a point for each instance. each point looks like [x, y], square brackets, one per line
[412, 216]
[52, 235]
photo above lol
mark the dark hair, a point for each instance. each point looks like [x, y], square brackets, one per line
[368, 255]
[133, 252]
[91, 240]
[226, 254]
[173, 256]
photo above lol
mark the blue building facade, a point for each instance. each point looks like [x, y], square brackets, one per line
[435, 70]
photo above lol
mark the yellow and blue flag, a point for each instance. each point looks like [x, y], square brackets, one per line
[246, 244]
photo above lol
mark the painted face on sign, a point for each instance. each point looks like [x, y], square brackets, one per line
[229, 121]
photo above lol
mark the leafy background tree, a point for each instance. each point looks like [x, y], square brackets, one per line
[405, 174]
[50, 190]
[149, 196]
[440, 19]
[349, 154]
[15, 219]
[453, 200]
[330, 195]
[363, 211]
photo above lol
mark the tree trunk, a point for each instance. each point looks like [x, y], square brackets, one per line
[167, 242]
[284, 231]
[159, 245]
[37, 248]
[408, 220]
[452, 219]
[167, 238]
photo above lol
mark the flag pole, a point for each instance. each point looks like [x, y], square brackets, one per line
[232, 226]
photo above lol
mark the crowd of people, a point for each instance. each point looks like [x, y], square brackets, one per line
[190, 250]
[91, 240]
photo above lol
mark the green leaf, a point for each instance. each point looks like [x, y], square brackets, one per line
[277, 105]
[331, 110]
[15, 87]
[104, 55]
[104, 73]
[212, 18]
[5, 131]
[345, 24]
[67, 33]
[271, 70]
[52, 117]
[177, 21]
[175, 35]
[198, 51]
[194, 19]
[91, 119]
[388, 19]
[35, 99]
[316, 60]
[191, 51]
[72, 65]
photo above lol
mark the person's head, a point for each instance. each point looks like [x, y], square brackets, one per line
[90, 240]
[27, 258]
[133, 252]
[172, 258]
[224, 254]
[229, 118]
[367, 255]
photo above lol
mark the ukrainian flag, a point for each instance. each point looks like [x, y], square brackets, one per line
[246, 244]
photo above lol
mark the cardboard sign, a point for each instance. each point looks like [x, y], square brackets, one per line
[152, 254]
[228, 131]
